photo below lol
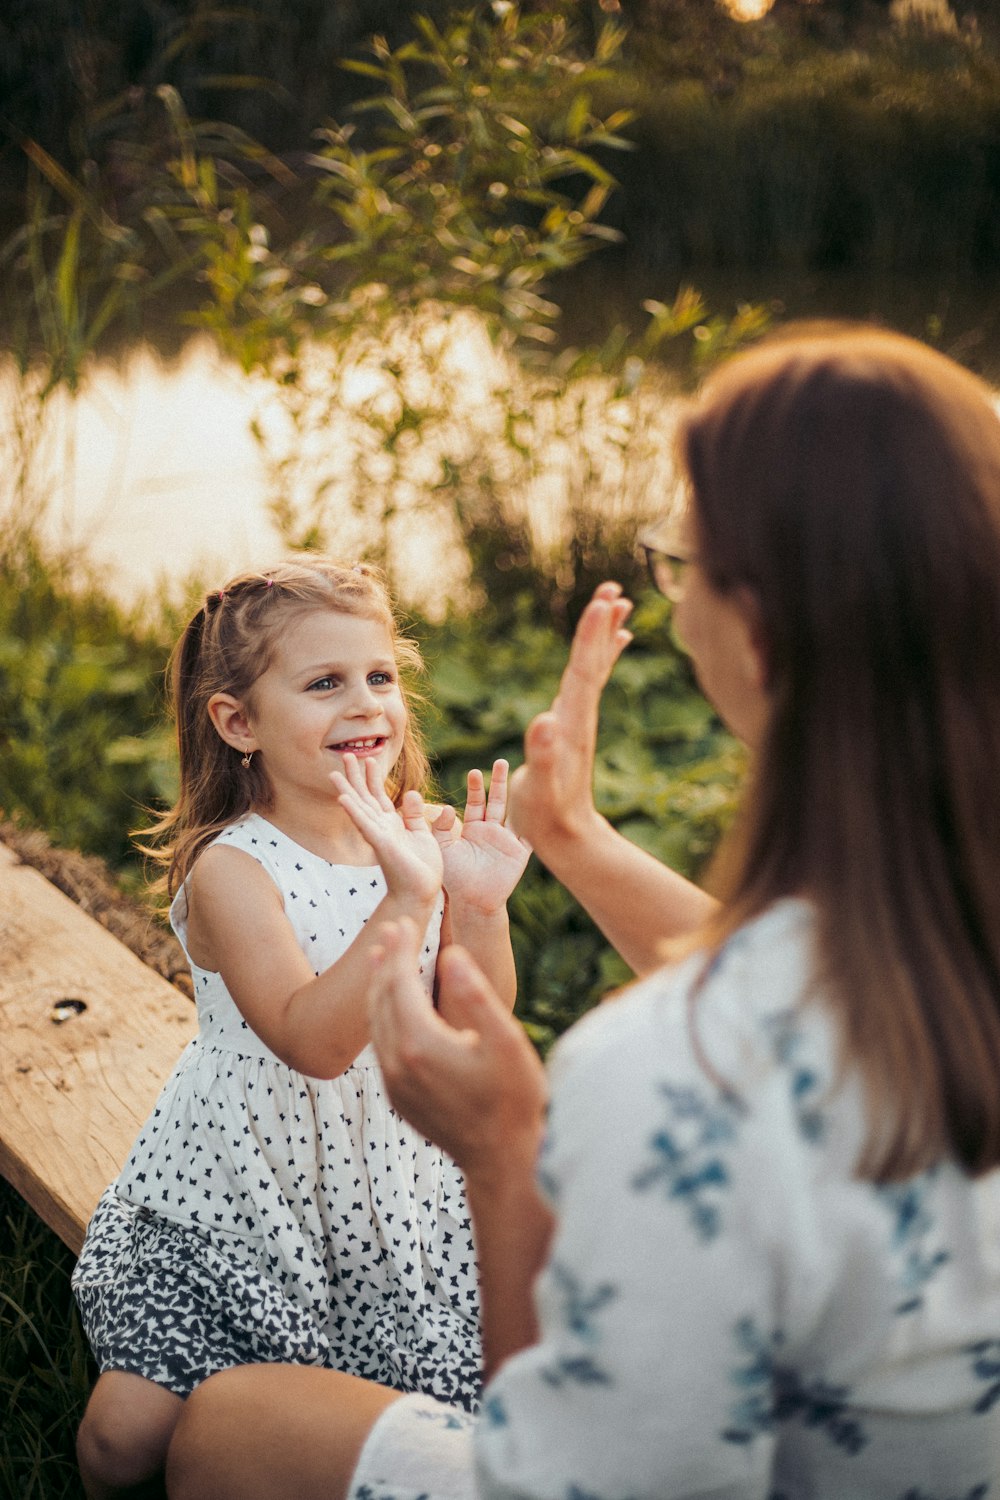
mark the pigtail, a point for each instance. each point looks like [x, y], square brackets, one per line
[183, 676]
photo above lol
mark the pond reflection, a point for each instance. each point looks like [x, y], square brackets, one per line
[154, 472]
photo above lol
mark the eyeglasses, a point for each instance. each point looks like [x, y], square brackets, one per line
[667, 570]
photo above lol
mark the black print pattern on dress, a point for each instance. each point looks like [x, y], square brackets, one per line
[266, 1215]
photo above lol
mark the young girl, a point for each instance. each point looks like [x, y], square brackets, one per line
[274, 1206]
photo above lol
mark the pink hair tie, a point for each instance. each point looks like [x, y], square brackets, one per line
[269, 583]
[222, 595]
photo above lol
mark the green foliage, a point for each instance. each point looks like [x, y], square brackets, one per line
[185, 157]
[45, 1367]
[77, 78]
[478, 150]
[473, 170]
[82, 748]
[811, 152]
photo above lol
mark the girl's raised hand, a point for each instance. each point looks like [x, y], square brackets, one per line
[483, 857]
[403, 843]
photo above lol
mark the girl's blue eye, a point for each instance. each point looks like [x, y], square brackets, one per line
[380, 679]
[321, 684]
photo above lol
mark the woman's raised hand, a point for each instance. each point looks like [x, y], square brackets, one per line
[551, 795]
[465, 1076]
[402, 840]
[483, 857]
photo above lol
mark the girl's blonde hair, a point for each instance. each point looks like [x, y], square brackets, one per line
[226, 646]
[849, 479]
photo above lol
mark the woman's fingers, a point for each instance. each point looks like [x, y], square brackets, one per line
[600, 638]
[597, 643]
[541, 743]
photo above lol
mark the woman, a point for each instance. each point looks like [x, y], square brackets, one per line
[764, 1237]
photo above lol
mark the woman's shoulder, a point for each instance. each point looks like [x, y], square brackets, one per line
[744, 1029]
[765, 969]
[736, 1045]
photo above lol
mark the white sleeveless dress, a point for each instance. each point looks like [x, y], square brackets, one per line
[264, 1215]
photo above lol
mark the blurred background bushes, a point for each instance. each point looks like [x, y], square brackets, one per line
[828, 134]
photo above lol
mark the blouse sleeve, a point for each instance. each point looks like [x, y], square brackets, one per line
[661, 1306]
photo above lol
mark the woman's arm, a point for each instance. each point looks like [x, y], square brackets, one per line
[635, 900]
[477, 1088]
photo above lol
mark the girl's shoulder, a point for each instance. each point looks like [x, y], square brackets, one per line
[214, 875]
[264, 842]
[251, 833]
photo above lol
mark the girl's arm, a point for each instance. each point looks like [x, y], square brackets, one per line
[316, 1024]
[476, 1088]
[635, 900]
[483, 861]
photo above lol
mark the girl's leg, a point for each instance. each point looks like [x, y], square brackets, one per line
[123, 1439]
[267, 1432]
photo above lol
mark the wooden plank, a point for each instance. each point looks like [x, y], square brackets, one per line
[75, 1084]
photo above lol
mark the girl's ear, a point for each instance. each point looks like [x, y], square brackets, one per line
[231, 721]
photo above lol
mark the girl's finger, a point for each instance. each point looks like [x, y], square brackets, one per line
[348, 795]
[443, 827]
[496, 803]
[412, 812]
[376, 786]
[475, 798]
[354, 772]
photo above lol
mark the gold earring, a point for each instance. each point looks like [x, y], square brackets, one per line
[245, 761]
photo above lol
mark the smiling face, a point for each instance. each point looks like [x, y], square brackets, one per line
[332, 686]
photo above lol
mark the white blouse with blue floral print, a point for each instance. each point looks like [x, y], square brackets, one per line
[727, 1310]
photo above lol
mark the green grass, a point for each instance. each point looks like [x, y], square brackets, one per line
[45, 1368]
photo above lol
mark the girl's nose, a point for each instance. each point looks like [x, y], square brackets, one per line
[363, 700]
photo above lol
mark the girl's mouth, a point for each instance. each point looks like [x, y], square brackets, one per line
[369, 746]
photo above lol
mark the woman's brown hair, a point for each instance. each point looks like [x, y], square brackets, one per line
[850, 480]
[226, 646]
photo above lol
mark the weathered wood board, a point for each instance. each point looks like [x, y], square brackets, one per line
[76, 1083]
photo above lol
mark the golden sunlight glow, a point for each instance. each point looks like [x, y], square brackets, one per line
[748, 10]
